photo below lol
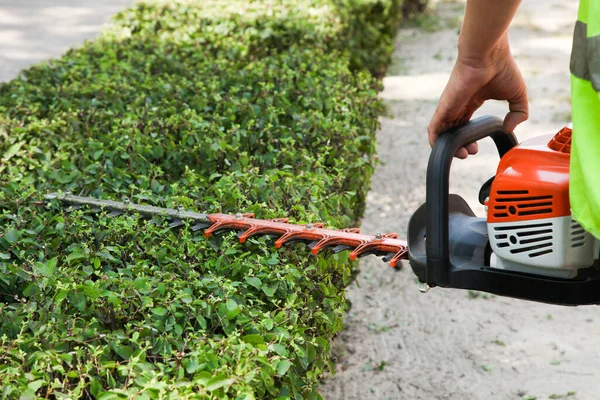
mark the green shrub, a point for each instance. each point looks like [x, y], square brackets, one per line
[221, 106]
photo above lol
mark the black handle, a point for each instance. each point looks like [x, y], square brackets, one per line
[438, 175]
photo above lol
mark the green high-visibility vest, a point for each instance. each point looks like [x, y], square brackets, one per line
[584, 189]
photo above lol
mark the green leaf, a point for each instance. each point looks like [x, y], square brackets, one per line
[268, 291]
[233, 309]
[36, 385]
[140, 284]
[95, 387]
[253, 281]
[246, 396]
[109, 396]
[274, 260]
[12, 150]
[192, 365]
[219, 382]
[123, 351]
[30, 289]
[77, 255]
[11, 236]
[202, 378]
[283, 366]
[253, 339]
[201, 321]
[160, 311]
[4, 256]
[60, 296]
[279, 349]
[46, 270]
[27, 394]
[231, 305]
[268, 324]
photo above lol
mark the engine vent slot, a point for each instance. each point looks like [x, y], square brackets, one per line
[511, 203]
[535, 232]
[577, 234]
[561, 142]
[530, 248]
[531, 240]
[519, 227]
[501, 192]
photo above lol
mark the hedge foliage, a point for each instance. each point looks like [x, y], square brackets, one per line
[217, 106]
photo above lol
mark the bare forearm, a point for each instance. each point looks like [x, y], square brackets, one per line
[484, 70]
[483, 38]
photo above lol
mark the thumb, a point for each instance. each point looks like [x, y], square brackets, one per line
[518, 112]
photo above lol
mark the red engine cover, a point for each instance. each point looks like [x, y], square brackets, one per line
[532, 180]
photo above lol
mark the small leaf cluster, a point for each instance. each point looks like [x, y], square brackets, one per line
[262, 106]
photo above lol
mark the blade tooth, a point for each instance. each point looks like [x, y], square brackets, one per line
[367, 248]
[340, 248]
[240, 233]
[254, 230]
[214, 229]
[226, 225]
[388, 257]
[199, 226]
[402, 254]
[114, 213]
[74, 208]
[296, 236]
[294, 240]
[312, 244]
[176, 223]
[329, 242]
[322, 244]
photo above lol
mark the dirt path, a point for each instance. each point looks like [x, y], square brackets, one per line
[447, 344]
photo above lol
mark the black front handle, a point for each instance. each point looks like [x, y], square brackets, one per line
[438, 175]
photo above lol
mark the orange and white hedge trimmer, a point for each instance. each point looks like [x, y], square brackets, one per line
[528, 247]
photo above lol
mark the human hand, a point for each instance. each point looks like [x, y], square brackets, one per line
[472, 82]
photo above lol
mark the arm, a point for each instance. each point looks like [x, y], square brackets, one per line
[484, 69]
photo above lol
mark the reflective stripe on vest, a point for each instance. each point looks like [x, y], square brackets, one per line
[585, 56]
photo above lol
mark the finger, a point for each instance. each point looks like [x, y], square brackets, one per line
[447, 113]
[518, 112]
[472, 148]
[435, 127]
[471, 107]
[462, 153]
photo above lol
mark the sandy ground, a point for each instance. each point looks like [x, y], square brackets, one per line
[450, 344]
[35, 30]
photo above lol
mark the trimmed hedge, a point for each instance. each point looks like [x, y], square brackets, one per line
[216, 106]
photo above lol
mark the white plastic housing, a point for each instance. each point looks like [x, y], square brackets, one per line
[551, 246]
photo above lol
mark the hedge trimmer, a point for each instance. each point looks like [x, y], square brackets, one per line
[527, 247]
[314, 234]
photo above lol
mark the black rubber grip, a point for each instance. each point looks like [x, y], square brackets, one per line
[438, 175]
